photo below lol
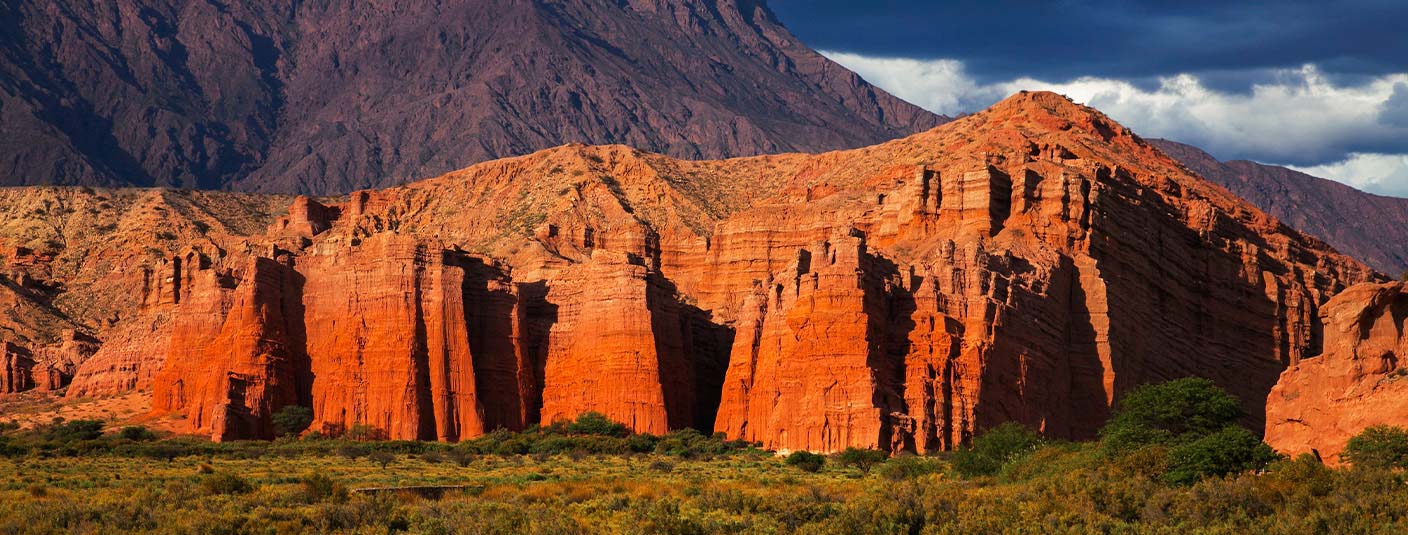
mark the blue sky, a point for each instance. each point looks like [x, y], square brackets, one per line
[1318, 86]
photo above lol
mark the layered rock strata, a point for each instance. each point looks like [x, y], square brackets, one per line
[1029, 263]
[1360, 380]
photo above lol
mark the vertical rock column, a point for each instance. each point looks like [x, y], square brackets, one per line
[388, 340]
[617, 347]
[808, 365]
[229, 375]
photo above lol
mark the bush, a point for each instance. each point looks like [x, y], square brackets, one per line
[806, 460]
[995, 448]
[363, 433]
[381, 458]
[1228, 451]
[137, 433]
[74, 430]
[907, 467]
[864, 459]
[1177, 411]
[662, 466]
[225, 483]
[292, 420]
[595, 423]
[351, 452]
[1379, 446]
[460, 455]
[319, 487]
[432, 457]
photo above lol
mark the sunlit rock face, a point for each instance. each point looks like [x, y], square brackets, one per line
[1028, 263]
[1358, 381]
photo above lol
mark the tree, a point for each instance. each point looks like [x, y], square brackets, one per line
[1228, 451]
[137, 433]
[595, 423]
[864, 459]
[225, 483]
[75, 430]
[806, 460]
[1379, 446]
[292, 420]
[381, 458]
[995, 448]
[1177, 411]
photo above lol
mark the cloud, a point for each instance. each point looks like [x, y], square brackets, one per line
[1122, 39]
[1296, 117]
[1385, 174]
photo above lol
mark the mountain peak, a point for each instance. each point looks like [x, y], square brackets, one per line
[339, 97]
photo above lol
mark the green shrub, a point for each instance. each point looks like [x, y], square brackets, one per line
[595, 423]
[225, 483]
[364, 433]
[905, 467]
[864, 459]
[137, 433]
[74, 430]
[433, 457]
[1228, 451]
[995, 448]
[292, 420]
[381, 458]
[461, 455]
[319, 487]
[1177, 411]
[806, 460]
[1379, 446]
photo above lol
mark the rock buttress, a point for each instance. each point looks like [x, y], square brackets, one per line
[228, 376]
[1359, 381]
[618, 347]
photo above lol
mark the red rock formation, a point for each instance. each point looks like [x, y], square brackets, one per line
[1031, 263]
[16, 367]
[228, 379]
[617, 347]
[388, 341]
[1358, 381]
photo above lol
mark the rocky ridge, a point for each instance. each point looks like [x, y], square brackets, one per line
[1371, 228]
[316, 97]
[1029, 263]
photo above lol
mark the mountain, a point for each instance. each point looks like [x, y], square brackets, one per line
[1372, 228]
[1030, 263]
[328, 97]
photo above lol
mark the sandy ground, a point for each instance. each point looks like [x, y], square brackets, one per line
[37, 408]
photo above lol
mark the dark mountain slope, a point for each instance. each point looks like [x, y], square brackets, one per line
[1372, 228]
[327, 97]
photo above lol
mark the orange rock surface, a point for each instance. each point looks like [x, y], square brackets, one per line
[1031, 262]
[1360, 380]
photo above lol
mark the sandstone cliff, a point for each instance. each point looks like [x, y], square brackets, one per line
[1359, 380]
[1029, 263]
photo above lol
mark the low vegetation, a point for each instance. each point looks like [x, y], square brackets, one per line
[1171, 460]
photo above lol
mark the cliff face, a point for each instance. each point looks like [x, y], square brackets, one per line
[1029, 263]
[310, 97]
[1359, 380]
[1371, 228]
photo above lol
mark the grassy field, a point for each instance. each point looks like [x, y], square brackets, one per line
[1056, 489]
[1171, 460]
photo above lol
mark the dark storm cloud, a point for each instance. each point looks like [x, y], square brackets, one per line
[1395, 110]
[1229, 44]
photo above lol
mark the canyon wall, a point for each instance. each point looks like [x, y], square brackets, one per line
[1029, 263]
[1359, 381]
